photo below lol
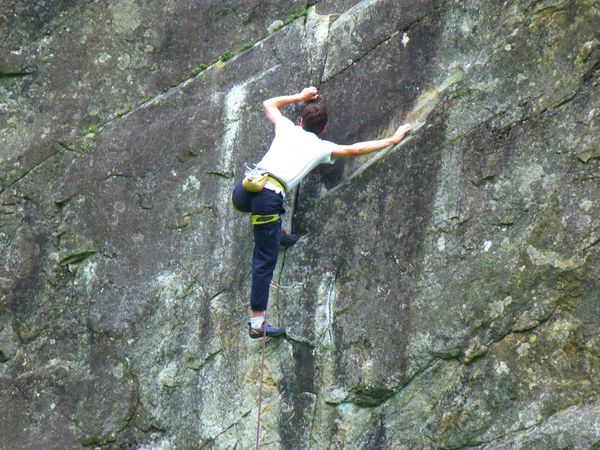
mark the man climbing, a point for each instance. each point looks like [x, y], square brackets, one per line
[294, 152]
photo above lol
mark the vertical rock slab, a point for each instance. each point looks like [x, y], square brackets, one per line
[445, 293]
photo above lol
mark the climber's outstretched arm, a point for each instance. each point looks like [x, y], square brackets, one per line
[272, 105]
[362, 148]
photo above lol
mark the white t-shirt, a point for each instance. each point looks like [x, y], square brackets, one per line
[294, 152]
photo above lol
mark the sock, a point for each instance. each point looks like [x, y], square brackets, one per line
[256, 322]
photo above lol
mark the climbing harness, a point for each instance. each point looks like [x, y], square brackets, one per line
[262, 373]
[278, 182]
[262, 219]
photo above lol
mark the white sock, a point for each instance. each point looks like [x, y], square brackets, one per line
[256, 322]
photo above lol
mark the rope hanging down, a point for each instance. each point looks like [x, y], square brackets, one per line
[262, 373]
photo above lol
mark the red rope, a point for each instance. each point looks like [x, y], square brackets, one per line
[262, 373]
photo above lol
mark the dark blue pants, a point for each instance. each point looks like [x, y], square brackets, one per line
[267, 237]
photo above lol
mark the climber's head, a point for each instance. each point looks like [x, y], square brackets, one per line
[314, 117]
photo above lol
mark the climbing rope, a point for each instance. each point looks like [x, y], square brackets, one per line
[262, 373]
[276, 286]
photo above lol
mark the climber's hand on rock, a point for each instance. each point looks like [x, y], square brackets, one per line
[309, 93]
[402, 131]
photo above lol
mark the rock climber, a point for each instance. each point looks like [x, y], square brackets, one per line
[294, 152]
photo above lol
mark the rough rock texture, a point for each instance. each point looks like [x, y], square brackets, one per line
[446, 293]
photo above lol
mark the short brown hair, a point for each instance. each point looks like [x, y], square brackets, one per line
[314, 117]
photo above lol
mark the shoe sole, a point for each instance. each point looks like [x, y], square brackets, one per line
[258, 336]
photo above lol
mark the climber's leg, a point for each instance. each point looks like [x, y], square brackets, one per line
[266, 208]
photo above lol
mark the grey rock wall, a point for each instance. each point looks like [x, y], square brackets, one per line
[446, 292]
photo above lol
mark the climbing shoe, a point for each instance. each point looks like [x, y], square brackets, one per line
[287, 239]
[270, 330]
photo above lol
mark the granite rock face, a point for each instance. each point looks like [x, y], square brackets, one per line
[446, 292]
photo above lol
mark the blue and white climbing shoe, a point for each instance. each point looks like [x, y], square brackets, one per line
[265, 328]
